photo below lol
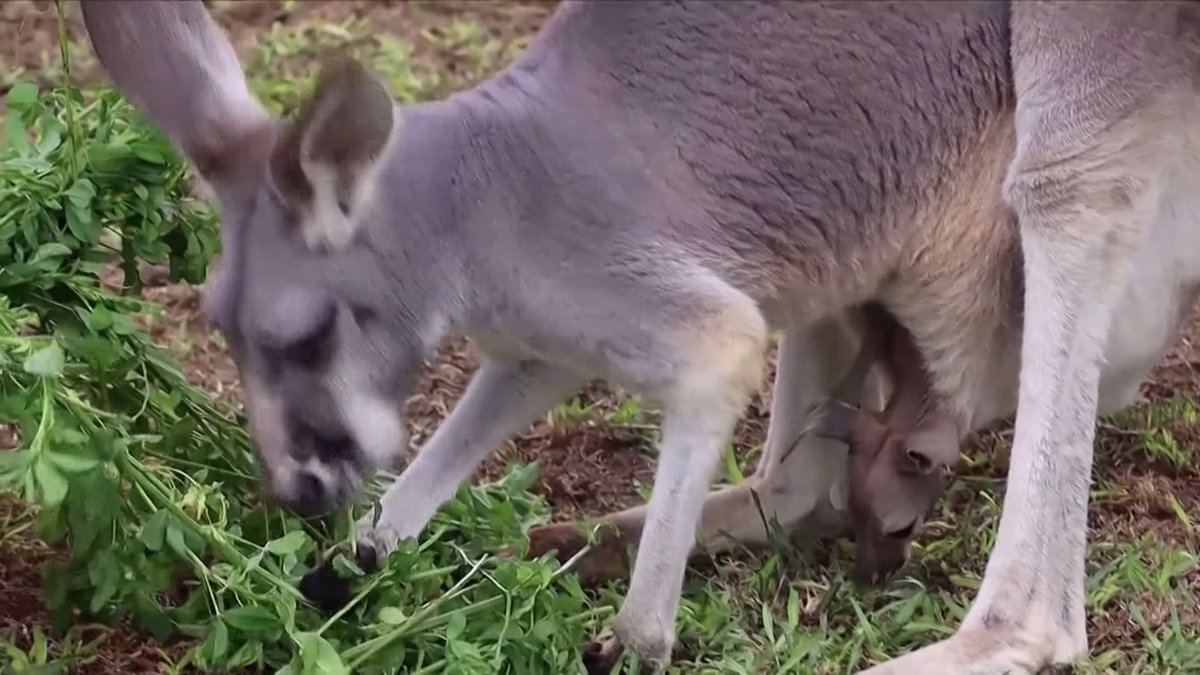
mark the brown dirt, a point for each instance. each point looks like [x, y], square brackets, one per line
[8, 438]
[114, 649]
[29, 38]
[1179, 372]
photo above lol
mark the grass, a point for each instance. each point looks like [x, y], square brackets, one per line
[789, 609]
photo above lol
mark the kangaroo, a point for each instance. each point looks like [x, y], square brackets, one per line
[653, 188]
[899, 456]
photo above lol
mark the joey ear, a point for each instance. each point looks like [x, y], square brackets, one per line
[171, 60]
[832, 419]
[324, 163]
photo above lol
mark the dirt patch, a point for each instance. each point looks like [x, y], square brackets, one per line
[8, 437]
[584, 472]
[118, 649]
[21, 558]
[1179, 372]
[29, 41]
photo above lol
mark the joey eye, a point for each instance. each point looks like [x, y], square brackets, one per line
[919, 460]
[903, 533]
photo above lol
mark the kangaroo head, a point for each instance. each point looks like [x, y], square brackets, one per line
[321, 351]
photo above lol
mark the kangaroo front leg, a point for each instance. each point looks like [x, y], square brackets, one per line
[720, 365]
[1091, 142]
[501, 399]
[791, 486]
[796, 484]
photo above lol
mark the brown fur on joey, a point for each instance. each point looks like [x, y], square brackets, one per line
[899, 457]
[608, 558]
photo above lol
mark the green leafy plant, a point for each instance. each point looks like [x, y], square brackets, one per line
[150, 486]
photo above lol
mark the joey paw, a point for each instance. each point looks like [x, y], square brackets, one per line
[605, 561]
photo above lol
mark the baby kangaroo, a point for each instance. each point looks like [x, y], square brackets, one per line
[898, 459]
[898, 456]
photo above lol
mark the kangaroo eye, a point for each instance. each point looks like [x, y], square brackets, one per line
[363, 315]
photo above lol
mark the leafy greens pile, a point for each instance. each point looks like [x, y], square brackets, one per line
[149, 485]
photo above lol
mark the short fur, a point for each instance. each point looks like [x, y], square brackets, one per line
[653, 187]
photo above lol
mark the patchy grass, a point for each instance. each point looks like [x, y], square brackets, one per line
[788, 609]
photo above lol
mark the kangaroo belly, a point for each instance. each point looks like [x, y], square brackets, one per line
[1162, 288]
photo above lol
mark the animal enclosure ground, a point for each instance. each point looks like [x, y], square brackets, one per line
[788, 609]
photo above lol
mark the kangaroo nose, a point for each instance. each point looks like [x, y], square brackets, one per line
[309, 498]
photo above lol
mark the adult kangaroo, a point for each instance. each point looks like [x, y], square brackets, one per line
[653, 187]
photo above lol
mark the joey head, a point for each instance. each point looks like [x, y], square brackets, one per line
[899, 457]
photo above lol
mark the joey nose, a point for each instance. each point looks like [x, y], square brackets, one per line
[881, 564]
[879, 557]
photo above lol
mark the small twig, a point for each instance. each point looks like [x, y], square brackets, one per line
[571, 562]
[64, 50]
[1118, 431]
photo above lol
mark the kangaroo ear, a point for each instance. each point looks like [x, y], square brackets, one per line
[324, 164]
[172, 61]
[832, 419]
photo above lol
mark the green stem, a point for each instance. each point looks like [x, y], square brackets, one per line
[435, 621]
[350, 605]
[360, 653]
[227, 552]
[72, 124]
[39, 436]
[440, 663]
[171, 459]
[71, 398]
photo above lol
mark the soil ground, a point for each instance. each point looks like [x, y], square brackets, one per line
[589, 463]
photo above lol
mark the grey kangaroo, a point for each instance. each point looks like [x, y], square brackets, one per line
[650, 190]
